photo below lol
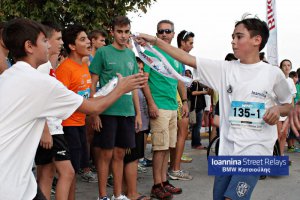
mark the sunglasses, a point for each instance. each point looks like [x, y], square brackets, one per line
[162, 31]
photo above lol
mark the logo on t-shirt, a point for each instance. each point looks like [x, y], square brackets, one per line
[130, 65]
[261, 95]
[176, 64]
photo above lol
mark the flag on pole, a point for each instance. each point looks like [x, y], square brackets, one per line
[272, 52]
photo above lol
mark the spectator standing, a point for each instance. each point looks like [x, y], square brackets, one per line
[285, 66]
[162, 103]
[123, 118]
[74, 74]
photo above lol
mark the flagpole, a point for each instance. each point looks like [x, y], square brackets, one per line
[272, 50]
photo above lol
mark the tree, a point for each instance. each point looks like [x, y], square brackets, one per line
[90, 13]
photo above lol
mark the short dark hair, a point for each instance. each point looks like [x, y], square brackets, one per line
[50, 27]
[70, 34]
[281, 63]
[166, 21]
[230, 57]
[17, 31]
[256, 27]
[184, 36]
[187, 70]
[119, 21]
[293, 74]
[94, 34]
[138, 60]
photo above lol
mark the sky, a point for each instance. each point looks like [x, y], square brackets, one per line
[212, 22]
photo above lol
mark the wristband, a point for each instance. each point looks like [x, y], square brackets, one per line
[184, 100]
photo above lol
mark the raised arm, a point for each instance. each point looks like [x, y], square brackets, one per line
[176, 53]
[99, 104]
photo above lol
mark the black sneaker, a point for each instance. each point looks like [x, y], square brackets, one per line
[171, 188]
[160, 193]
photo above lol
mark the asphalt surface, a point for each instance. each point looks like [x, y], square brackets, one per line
[272, 188]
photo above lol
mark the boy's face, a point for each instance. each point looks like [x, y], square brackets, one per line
[188, 74]
[99, 42]
[56, 43]
[121, 35]
[39, 51]
[82, 45]
[141, 66]
[243, 45]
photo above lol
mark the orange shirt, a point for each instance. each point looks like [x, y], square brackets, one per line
[77, 78]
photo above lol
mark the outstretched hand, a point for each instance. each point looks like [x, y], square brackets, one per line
[142, 39]
[132, 82]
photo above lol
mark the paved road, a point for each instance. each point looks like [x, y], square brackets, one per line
[272, 188]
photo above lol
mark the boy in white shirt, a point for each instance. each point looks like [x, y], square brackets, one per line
[53, 154]
[247, 81]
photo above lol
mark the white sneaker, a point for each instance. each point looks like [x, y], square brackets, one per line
[89, 177]
[180, 175]
[121, 197]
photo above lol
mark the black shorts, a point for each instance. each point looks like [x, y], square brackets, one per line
[58, 152]
[138, 151]
[77, 143]
[117, 131]
[291, 135]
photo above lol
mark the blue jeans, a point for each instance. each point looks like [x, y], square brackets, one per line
[196, 139]
[234, 187]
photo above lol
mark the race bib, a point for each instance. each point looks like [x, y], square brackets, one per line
[84, 93]
[247, 115]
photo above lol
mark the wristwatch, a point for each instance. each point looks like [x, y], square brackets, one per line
[184, 100]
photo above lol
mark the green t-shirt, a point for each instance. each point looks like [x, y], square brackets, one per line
[296, 99]
[163, 89]
[106, 63]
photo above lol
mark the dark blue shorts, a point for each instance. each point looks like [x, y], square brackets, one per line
[116, 131]
[234, 187]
